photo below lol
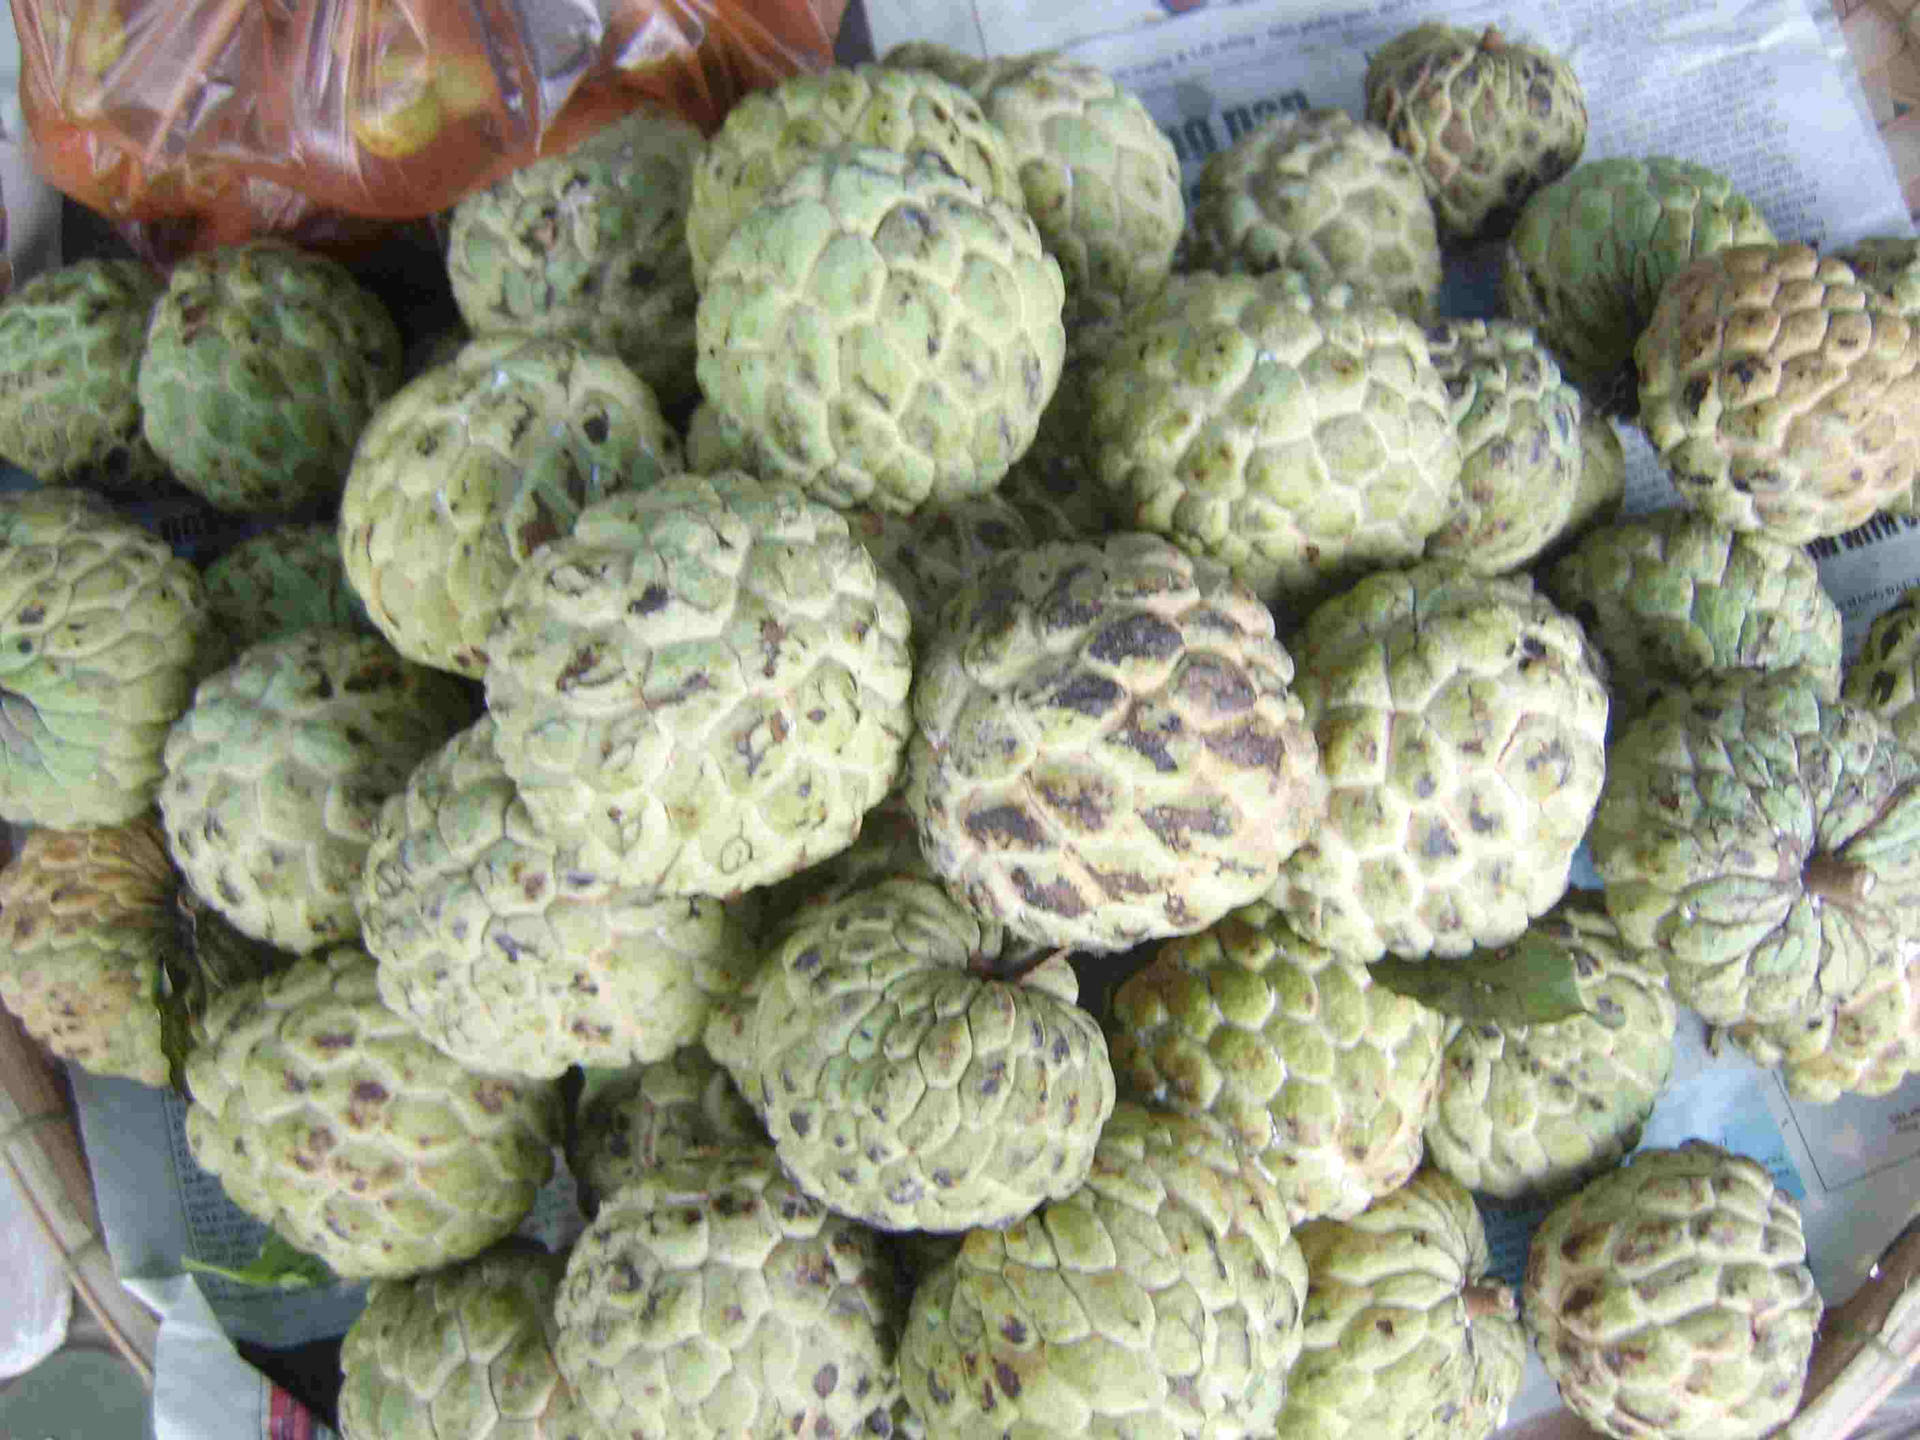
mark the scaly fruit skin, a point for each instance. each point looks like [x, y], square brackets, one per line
[1101, 179]
[906, 1086]
[590, 246]
[262, 365]
[713, 1300]
[882, 333]
[1762, 845]
[1324, 1077]
[70, 343]
[1319, 192]
[1162, 1298]
[1108, 750]
[102, 635]
[658, 1114]
[1462, 724]
[1887, 263]
[464, 1353]
[1673, 595]
[936, 550]
[87, 920]
[1301, 440]
[1486, 122]
[1519, 427]
[1671, 1298]
[704, 687]
[1588, 256]
[474, 466]
[1867, 1046]
[1883, 676]
[323, 1114]
[284, 579]
[772, 133]
[1400, 1338]
[1782, 394]
[512, 955]
[1532, 1111]
[276, 773]
[1603, 474]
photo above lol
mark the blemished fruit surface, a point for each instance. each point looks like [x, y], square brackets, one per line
[1590, 252]
[1108, 749]
[1300, 438]
[1519, 428]
[1673, 595]
[1887, 264]
[1322, 193]
[881, 332]
[1462, 725]
[464, 1353]
[704, 687]
[1867, 1046]
[1671, 1298]
[324, 1115]
[1526, 1111]
[1487, 121]
[657, 1114]
[474, 466]
[262, 364]
[1883, 674]
[590, 246]
[773, 132]
[1161, 1298]
[712, 1299]
[1402, 1338]
[511, 954]
[907, 1085]
[285, 578]
[1762, 845]
[276, 773]
[1782, 394]
[935, 551]
[1603, 474]
[1323, 1076]
[70, 343]
[102, 636]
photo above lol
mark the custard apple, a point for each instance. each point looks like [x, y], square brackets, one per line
[1462, 724]
[714, 443]
[1670, 596]
[1324, 1077]
[704, 688]
[882, 332]
[1762, 845]
[103, 634]
[324, 1115]
[1319, 192]
[1162, 1298]
[1867, 1046]
[1671, 1298]
[1054, 485]
[773, 133]
[969, 72]
[262, 364]
[935, 551]
[1889, 264]
[1883, 675]
[474, 466]
[908, 1085]
[1486, 121]
[1531, 1110]
[713, 1300]
[1519, 427]
[1107, 749]
[590, 246]
[656, 1114]
[1402, 1335]
[70, 343]
[1782, 394]
[1602, 491]
[1590, 252]
[276, 773]
[284, 579]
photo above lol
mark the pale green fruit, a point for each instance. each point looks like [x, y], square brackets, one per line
[1867, 1046]
[938, 549]
[657, 1114]
[103, 633]
[1671, 1300]
[324, 1115]
[284, 579]
[1883, 674]
[1887, 263]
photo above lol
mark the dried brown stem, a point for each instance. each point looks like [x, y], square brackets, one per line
[1485, 1300]
[1828, 877]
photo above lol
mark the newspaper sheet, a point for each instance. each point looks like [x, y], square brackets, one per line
[1763, 91]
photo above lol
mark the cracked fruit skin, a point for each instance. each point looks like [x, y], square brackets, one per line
[1671, 1298]
[1108, 748]
[704, 688]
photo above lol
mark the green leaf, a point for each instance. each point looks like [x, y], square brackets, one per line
[1534, 981]
[280, 1265]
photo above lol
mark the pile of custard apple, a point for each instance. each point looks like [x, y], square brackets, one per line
[997, 748]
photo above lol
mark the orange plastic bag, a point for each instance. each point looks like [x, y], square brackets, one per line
[218, 120]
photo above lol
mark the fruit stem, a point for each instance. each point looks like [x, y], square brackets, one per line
[1493, 42]
[1827, 877]
[1485, 1300]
